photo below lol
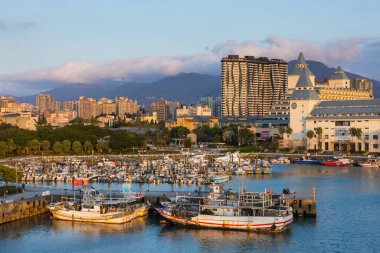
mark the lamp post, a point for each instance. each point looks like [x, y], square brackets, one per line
[17, 177]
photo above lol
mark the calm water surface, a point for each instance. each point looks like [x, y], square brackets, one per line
[348, 221]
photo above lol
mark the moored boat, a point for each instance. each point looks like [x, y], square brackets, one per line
[91, 207]
[304, 160]
[221, 179]
[336, 162]
[250, 212]
[370, 163]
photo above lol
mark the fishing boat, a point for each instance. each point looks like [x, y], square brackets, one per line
[370, 163]
[337, 162]
[252, 211]
[280, 160]
[240, 171]
[267, 170]
[94, 208]
[221, 179]
[257, 170]
[304, 160]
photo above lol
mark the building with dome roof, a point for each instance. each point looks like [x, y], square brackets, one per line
[294, 74]
[339, 80]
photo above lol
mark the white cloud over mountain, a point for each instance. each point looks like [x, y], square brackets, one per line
[86, 72]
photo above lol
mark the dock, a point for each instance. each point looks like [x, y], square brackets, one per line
[34, 201]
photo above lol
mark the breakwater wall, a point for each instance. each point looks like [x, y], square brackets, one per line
[21, 209]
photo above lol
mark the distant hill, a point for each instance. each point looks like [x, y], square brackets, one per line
[184, 87]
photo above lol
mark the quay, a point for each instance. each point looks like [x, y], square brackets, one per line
[36, 199]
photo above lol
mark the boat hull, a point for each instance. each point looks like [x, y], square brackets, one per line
[307, 162]
[95, 217]
[334, 164]
[369, 165]
[246, 223]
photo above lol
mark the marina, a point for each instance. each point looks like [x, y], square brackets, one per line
[147, 233]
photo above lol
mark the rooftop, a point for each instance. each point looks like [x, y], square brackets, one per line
[301, 64]
[339, 74]
[348, 108]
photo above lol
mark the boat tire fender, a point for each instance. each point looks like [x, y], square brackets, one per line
[295, 201]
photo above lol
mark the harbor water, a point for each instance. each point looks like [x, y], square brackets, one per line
[348, 209]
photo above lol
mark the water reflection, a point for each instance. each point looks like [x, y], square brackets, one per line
[348, 210]
[17, 229]
[95, 229]
[211, 240]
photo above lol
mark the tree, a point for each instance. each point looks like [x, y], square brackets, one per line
[87, 147]
[319, 132]
[9, 174]
[34, 145]
[66, 146]
[11, 146]
[77, 147]
[41, 121]
[121, 140]
[228, 136]
[45, 145]
[310, 135]
[187, 143]
[353, 133]
[100, 147]
[359, 133]
[179, 132]
[57, 147]
[281, 131]
[289, 131]
[245, 136]
[3, 148]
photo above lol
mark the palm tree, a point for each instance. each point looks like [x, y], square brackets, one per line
[319, 132]
[310, 135]
[281, 131]
[289, 131]
[353, 133]
[359, 133]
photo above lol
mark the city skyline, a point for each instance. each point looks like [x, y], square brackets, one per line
[40, 44]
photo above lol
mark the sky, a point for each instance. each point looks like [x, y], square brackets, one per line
[88, 41]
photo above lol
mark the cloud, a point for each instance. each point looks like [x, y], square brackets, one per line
[332, 52]
[85, 72]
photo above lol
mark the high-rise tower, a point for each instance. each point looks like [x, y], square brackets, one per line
[250, 86]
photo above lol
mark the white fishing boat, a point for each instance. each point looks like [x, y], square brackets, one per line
[96, 209]
[240, 171]
[370, 163]
[251, 212]
[220, 179]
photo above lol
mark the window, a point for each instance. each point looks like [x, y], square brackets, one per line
[326, 136]
[342, 123]
[366, 137]
[376, 137]
[376, 146]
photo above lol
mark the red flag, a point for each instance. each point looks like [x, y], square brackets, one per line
[77, 182]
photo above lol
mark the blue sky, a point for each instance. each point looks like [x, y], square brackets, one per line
[67, 41]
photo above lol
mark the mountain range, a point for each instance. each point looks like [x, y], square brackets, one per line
[184, 87]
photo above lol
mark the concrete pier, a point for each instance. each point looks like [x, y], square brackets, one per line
[21, 209]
